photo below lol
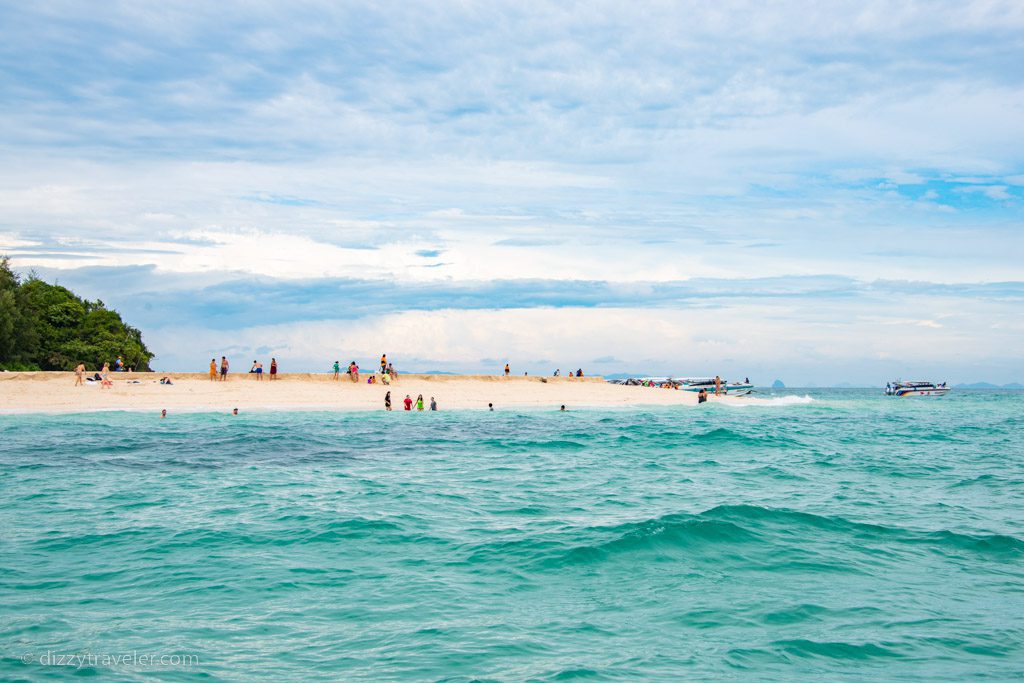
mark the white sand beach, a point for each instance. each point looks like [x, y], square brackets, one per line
[55, 392]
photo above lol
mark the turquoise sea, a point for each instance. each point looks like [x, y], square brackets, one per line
[810, 535]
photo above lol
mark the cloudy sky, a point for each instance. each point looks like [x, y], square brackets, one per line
[820, 192]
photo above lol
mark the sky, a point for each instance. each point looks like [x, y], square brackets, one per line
[815, 192]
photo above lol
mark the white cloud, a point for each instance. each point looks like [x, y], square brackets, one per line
[761, 339]
[540, 140]
[996, 192]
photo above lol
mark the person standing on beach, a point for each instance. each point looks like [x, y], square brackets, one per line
[433, 403]
[353, 371]
[407, 402]
[718, 385]
[387, 401]
[223, 368]
[337, 370]
[419, 403]
[257, 367]
[507, 370]
[105, 377]
[383, 362]
[213, 369]
[79, 372]
[273, 369]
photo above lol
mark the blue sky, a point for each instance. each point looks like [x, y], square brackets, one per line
[822, 195]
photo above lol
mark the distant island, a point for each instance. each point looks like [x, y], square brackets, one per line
[48, 327]
[988, 385]
[777, 384]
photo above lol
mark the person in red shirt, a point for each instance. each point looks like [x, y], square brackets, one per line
[407, 402]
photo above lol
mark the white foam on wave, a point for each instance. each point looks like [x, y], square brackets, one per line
[748, 401]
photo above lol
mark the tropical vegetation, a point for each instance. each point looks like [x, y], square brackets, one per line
[49, 327]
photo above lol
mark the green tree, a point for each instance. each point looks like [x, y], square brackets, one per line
[48, 327]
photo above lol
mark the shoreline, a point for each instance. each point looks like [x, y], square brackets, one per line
[54, 392]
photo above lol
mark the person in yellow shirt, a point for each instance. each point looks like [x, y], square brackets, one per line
[213, 370]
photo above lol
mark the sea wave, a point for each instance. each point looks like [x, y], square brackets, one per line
[721, 530]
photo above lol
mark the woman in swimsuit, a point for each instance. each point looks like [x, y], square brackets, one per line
[419, 402]
[273, 368]
[387, 401]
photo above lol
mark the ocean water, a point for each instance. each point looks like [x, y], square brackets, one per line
[812, 535]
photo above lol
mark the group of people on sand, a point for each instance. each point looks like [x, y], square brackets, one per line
[557, 373]
[388, 374]
[257, 370]
[220, 371]
[409, 403]
[103, 376]
[352, 371]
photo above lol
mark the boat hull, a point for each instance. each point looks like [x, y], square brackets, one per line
[905, 393]
[728, 389]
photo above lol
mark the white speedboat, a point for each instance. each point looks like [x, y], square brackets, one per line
[708, 385]
[901, 389]
[694, 385]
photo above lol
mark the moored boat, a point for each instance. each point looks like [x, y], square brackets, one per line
[901, 389]
[694, 385]
[708, 385]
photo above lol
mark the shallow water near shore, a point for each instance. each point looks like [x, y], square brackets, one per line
[808, 535]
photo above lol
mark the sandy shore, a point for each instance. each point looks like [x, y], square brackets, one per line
[55, 392]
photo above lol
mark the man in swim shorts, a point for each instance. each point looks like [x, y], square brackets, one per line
[224, 368]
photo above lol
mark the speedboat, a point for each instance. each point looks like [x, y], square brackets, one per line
[708, 385]
[901, 388]
[694, 385]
